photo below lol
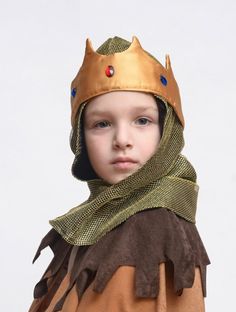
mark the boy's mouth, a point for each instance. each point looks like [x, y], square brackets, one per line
[123, 159]
[124, 163]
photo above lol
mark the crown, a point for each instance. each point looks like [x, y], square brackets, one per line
[133, 69]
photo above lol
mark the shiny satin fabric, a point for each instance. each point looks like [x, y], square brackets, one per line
[134, 69]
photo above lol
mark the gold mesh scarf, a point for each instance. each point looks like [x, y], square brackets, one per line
[166, 180]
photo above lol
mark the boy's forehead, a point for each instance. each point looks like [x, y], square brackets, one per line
[126, 100]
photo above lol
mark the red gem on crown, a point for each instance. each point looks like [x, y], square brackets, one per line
[109, 71]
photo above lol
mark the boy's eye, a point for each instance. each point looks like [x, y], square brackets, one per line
[143, 121]
[102, 124]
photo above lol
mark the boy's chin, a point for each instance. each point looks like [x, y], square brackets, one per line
[118, 178]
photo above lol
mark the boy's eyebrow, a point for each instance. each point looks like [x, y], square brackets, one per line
[145, 108]
[136, 108]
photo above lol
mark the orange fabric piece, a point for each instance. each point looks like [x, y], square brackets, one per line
[119, 295]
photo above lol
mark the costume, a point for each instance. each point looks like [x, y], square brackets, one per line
[133, 245]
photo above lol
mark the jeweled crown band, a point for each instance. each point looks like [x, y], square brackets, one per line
[133, 69]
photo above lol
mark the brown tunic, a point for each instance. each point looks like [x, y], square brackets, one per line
[153, 261]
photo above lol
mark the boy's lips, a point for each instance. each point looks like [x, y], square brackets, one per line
[123, 163]
[123, 159]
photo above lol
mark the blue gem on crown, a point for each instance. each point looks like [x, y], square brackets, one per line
[163, 80]
[73, 92]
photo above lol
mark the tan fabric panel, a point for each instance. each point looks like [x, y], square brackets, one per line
[119, 295]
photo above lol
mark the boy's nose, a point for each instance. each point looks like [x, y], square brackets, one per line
[122, 139]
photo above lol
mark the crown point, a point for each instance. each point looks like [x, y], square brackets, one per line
[168, 64]
[135, 42]
[89, 47]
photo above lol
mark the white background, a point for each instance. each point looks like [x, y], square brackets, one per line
[42, 46]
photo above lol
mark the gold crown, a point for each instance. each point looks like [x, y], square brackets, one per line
[133, 69]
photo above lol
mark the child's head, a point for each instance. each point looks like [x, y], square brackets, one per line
[131, 91]
[122, 131]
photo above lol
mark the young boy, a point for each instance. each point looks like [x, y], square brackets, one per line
[133, 245]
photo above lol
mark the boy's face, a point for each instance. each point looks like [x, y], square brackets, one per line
[121, 133]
